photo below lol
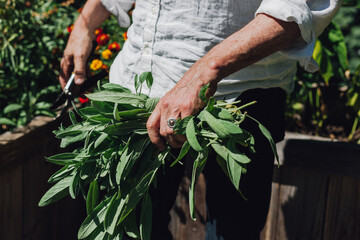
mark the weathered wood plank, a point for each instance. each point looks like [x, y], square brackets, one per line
[302, 201]
[269, 231]
[11, 197]
[342, 221]
[321, 155]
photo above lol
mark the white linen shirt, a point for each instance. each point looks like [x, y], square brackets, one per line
[168, 36]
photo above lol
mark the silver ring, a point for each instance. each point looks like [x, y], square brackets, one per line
[171, 122]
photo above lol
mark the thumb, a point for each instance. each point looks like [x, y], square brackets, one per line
[79, 69]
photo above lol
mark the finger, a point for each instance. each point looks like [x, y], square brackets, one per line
[79, 70]
[174, 141]
[153, 127]
[66, 67]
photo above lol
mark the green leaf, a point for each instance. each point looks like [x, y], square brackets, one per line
[93, 220]
[150, 103]
[74, 187]
[131, 227]
[210, 104]
[184, 150]
[198, 166]
[101, 139]
[202, 93]
[12, 108]
[235, 153]
[124, 128]
[62, 158]
[180, 125]
[146, 218]
[72, 117]
[234, 169]
[60, 174]
[146, 76]
[56, 192]
[102, 107]
[113, 213]
[92, 199]
[7, 121]
[136, 193]
[115, 87]
[215, 125]
[267, 134]
[131, 114]
[221, 113]
[117, 97]
[191, 136]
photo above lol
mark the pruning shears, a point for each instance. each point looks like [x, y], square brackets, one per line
[67, 96]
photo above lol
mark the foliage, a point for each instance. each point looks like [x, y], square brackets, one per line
[33, 36]
[116, 163]
[318, 102]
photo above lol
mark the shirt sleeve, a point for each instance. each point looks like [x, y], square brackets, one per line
[119, 8]
[312, 16]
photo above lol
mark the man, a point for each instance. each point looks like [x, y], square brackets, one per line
[246, 48]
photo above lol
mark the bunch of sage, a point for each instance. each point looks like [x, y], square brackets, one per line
[115, 163]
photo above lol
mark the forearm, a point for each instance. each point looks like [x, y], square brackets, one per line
[257, 40]
[92, 15]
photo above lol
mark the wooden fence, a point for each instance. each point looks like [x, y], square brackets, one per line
[316, 191]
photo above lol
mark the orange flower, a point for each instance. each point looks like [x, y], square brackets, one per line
[106, 54]
[105, 67]
[98, 31]
[70, 28]
[124, 35]
[114, 47]
[102, 39]
[80, 10]
[96, 64]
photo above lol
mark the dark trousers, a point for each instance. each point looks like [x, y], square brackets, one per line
[236, 218]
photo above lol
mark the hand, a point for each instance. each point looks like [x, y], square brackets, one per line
[79, 45]
[76, 54]
[181, 101]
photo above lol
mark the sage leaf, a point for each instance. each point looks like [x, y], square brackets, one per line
[92, 198]
[191, 135]
[93, 220]
[131, 227]
[62, 158]
[267, 134]
[146, 218]
[202, 93]
[234, 169]
[117, 97]
[215, 125]
[113, 213]
[56, 192]
[184, 150]
[60, 174]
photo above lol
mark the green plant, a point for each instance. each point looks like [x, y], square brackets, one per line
[32, 35]
[115, 163]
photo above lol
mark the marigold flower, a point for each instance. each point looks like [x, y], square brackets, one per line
[106, 54]
[114, 47]
[70, 28]
[105, 67]
[96, 64]
[102, 39]
[125, 36]
[98, 31]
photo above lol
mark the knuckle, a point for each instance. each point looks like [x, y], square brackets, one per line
[163, 133]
